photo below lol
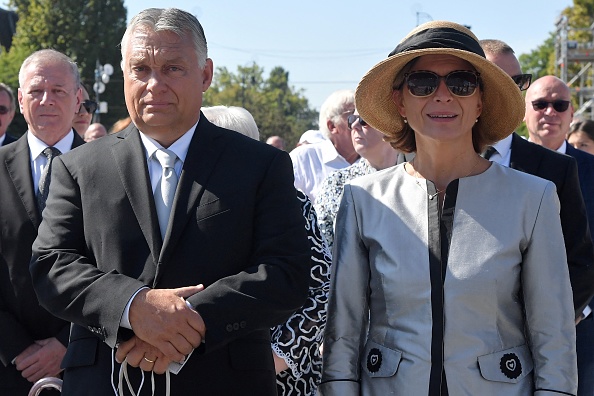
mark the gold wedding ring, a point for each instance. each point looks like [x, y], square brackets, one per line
[149, 360]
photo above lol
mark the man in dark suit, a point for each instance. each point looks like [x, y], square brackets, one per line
[7, 109]
[202, 286]
[575, 185]
[549, 113]
[32, 341]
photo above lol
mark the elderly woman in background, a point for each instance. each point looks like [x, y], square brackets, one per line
[376, 154]
[295, 343]
[449, 272]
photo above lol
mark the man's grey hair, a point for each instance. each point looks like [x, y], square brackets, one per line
[45, 56]
[170, 20]
[333, 107]
[10, 93]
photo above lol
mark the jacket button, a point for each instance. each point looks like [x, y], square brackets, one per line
[229, 328]
[235, 326]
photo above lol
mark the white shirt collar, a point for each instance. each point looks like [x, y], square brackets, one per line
[36, 145]
[179, 147]
[503, 146]
[328, 151]
[563, 148]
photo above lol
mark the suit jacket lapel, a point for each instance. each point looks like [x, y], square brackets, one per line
[522, 158]
[205, 149]
[130, 158]
[18, 165]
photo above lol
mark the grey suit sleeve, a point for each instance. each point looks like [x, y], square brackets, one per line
[348, 311]
[548, 302]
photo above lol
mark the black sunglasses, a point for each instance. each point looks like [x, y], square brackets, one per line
[89, 105]
[353, 118]
[523, 81]
[459, 82]
[559, 105]
[4, 110]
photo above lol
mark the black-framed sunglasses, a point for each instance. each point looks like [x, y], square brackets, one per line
[459, 82]
[89, 105]
[4, 110]
[559, 105]
[523, 81]
[353, 118]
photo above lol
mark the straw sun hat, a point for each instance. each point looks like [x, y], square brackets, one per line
[503, 105]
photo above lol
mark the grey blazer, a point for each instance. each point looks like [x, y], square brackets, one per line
[479, 296]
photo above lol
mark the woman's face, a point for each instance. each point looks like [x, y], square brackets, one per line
[440, 116]
[82, 119]
[581, 141]
[365, 138]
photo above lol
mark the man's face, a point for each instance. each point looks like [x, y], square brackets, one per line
[5, 117]
[547, 126]
[48, 99]
[163, 83]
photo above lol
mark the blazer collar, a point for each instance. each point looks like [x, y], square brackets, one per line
[523, 156]
[204, 152]
[18, 164]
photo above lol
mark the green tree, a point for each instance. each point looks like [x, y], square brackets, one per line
[278, 108]
[87, 31]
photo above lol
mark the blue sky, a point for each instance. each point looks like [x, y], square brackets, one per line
[328, 45]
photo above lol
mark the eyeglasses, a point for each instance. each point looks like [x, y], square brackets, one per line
[4, 110]
[523, 81]
[459, 82]
[559, 105]
[89, 105]
[353, 118]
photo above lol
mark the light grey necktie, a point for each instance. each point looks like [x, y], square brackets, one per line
[166, 186]
[46, 176]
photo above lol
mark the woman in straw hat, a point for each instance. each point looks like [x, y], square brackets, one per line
[449, 272]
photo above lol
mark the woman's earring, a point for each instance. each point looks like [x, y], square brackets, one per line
[475, 121]
[405, 120]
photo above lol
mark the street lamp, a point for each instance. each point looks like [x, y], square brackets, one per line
[102, 73]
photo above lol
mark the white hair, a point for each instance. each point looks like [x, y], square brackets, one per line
[333, 107]
[235, 118]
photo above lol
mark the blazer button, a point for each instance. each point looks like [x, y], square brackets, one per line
[229, 328]
[242, 324]
[235, 326]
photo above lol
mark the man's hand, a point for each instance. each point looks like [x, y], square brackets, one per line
[141, 354]
[161, 318]
[44, 361]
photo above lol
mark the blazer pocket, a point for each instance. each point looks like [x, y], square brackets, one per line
[380, 361]
[81, 352]
[510, 365]
[210, 209]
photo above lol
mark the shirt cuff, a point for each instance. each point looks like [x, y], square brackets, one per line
[587, 311]
[125, 321]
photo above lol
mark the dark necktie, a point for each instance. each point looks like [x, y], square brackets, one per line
[46, 175]
[489, 152]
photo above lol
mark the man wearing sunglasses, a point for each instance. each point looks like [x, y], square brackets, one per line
[32, 341]
[7, 108]
[562, 170]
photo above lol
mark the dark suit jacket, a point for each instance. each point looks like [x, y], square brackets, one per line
[563, 171]
[237, 229]
[8, 139]
[22, 320]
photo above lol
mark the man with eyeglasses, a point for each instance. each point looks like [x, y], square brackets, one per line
[313, 162]
[32, 341]
[563, 170]
[7, 108]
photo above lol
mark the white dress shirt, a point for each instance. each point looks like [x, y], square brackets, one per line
[38, 159]
[312, 163]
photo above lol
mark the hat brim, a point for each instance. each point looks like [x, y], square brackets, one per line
[503, 104]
